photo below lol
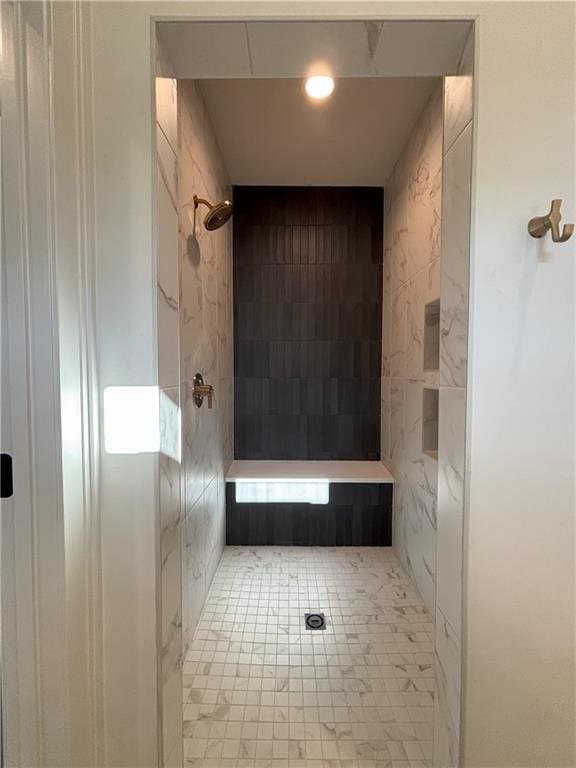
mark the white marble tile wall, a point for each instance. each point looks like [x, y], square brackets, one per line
[170, 597]
[168, 308]
[206, 347]
[392, 48]
[427, 257]
[458, 113]
[411, 280]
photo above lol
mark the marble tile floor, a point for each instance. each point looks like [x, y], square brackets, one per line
[261, 691]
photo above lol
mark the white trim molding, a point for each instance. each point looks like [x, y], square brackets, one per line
[34, 692]
[51, 569]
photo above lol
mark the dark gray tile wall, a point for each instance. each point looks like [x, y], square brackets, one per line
[307, 322]
[358, 514]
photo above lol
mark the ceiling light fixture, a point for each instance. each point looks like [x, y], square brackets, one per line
[319, 87]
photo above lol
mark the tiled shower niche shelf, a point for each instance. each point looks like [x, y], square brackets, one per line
[432, 335]
[333, 471]
[430, 422]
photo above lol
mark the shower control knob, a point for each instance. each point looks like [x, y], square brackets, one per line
[200, 391]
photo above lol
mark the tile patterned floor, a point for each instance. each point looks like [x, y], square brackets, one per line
[261, 691]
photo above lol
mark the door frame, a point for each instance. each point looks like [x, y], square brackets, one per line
[448, 666]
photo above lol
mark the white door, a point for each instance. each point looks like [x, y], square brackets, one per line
[32, 531]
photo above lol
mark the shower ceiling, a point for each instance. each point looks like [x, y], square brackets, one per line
[270, 133]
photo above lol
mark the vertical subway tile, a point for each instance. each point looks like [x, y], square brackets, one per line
[324, 324]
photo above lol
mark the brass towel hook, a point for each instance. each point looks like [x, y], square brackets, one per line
[541, 224]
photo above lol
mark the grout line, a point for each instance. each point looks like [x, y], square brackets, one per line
[249, 48]
[447, 150]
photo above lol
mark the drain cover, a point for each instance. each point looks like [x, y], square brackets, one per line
[315, 621]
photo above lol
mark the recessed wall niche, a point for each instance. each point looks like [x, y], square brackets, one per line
[432, 336]
[430, 422]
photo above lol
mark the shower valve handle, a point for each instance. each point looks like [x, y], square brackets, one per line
[200, 391]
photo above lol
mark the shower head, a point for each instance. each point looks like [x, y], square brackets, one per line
[218, 214]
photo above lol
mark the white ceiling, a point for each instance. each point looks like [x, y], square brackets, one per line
[271, 134]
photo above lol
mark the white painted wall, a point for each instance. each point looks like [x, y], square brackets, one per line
[125, 285]
[519, 597]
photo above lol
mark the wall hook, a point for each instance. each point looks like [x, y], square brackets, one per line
[541, 224]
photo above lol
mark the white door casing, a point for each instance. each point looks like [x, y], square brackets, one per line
[32, 521]
[51, 591]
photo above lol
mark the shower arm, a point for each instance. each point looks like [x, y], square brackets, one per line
[200, 200]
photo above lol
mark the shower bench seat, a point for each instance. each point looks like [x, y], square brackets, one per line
[332, 471]
[309, 503]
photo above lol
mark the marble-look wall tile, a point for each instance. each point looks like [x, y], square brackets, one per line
[167, 165]
[411, 280]
[424, 159]
[215, 521]
[171, 664]
[170, 487]
[451, 455]
[448, 666]
[433, 274]
[386, 332]
[389, 210]
[419, 555]
[401, 266]
[206, 347]
[459, 96]
[193, 465]
[167, 289]
[396, 428]
[413, 302]
[423, 288]
[194, 546]
[420, 495]
[455, 262]
[167, 109]
[420, 469]
[385, 420]
[397, 335]
[170, 495]
[455, 259]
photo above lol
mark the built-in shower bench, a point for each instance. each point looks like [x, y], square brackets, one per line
[313, 503]
[332, 471]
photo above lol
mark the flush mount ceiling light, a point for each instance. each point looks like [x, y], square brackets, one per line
[319, 87]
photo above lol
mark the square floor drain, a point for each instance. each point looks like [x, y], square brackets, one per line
[314, 621]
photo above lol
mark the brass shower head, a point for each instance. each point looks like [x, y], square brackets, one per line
[218, 213]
